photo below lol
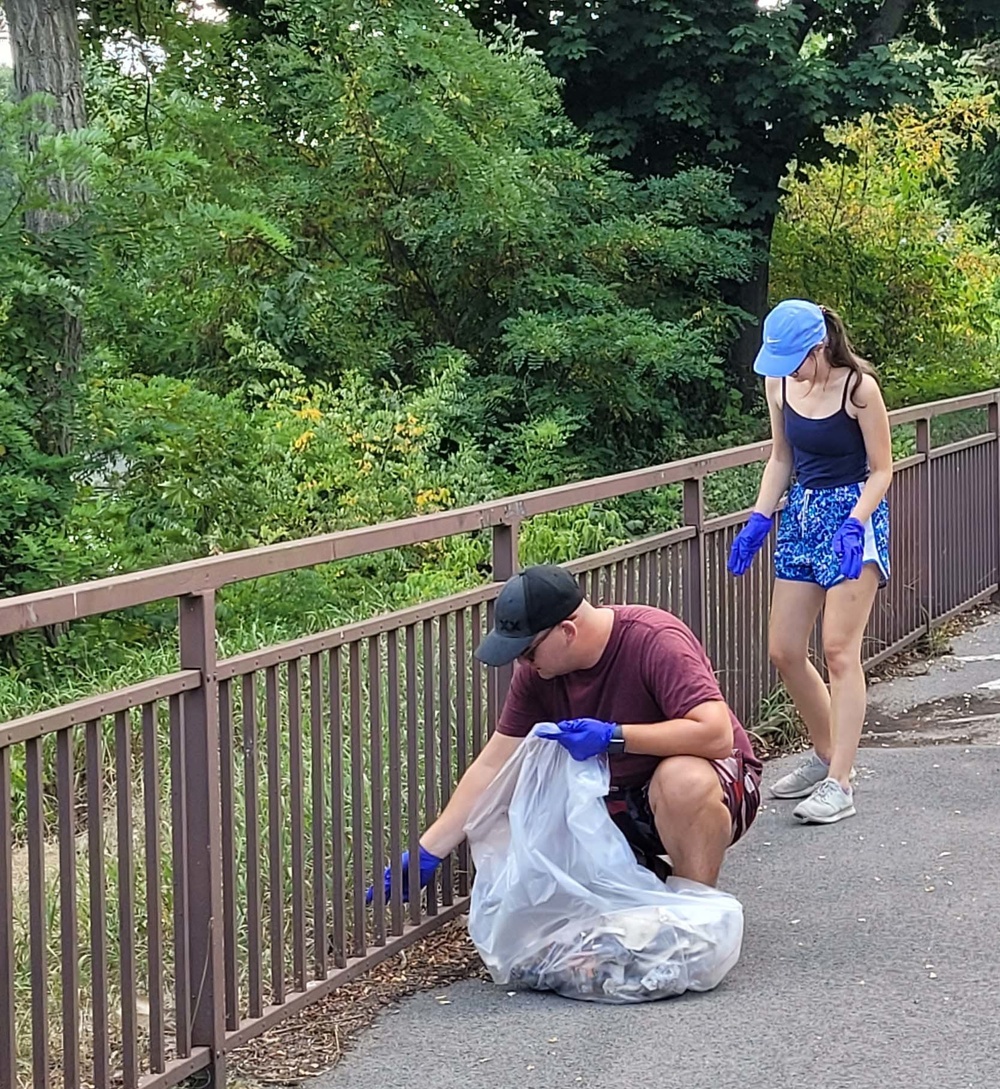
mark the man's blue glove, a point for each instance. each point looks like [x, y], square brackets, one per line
[749, 542]
[580, 737]
[428, 864]
[849, 547]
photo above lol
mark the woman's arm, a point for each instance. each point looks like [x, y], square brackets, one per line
[874, 420]
[778, 470]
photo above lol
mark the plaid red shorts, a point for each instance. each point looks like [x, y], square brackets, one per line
[629, 808]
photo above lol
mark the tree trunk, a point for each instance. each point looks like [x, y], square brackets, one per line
[751, 296]
[45, 44]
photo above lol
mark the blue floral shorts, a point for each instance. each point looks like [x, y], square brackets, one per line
[811, 517]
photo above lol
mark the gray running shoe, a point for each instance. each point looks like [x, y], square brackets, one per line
[803, 780]
[827, 804]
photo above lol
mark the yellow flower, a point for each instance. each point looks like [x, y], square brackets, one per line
[303, 440]
[432, 496]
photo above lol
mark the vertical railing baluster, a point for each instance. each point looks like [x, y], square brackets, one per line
[69, 969]
[296, 790]
[430, 763]
[98, 903]
[227, 769]
[152, 828]
[461, 735]
[395, 782]
[126, 897]
[359, 935]
[204, 843]
[925, 523]
[694, 515]
[251, 819]
[37, 928]
[317, 777]
[275, 828]
[492, 705]
[337, 829]
[8, 1054]
[444, 735]
[412, 769]
[505, 542]
[375, 779]
[478, 730]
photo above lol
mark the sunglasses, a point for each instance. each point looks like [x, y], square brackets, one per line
[529, 654]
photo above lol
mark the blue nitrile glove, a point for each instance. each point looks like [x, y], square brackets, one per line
[580, 737]
[749, 542]
[428, 864]
[849, 547]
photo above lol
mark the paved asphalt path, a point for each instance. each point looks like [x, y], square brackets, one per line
[871, 958]
[955, 697]
[871, 955]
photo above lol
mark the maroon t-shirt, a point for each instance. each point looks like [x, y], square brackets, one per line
[653, 669]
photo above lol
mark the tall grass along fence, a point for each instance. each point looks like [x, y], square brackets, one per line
[183, 862]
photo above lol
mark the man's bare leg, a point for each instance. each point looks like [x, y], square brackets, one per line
[691, 817]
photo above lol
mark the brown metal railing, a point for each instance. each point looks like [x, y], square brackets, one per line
[190, 861]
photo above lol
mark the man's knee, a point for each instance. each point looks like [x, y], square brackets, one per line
[683, 785]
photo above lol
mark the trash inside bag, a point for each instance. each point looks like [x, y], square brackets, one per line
[560, 903]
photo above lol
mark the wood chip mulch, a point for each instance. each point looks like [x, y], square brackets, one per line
[315, 1039]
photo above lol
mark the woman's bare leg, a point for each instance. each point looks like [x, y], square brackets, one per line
[794, 608]
[848, 607]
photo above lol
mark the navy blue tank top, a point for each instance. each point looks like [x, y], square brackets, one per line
[828, 452]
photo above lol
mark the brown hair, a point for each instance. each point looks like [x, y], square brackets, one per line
[840, 351]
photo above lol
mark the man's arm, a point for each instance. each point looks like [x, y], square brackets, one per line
[706, 730]
[446, 832]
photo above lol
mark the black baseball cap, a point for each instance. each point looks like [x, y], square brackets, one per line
[538, 598]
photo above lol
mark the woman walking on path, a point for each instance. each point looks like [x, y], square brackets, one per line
[831, 436]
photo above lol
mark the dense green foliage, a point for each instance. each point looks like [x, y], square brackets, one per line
[874, 235]
[747, 87]
[342, 261]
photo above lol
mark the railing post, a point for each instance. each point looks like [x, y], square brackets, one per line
[694, 576]
[504, 565]
[925, 566]
[8, 1057]
[994, 416]
[203, 841]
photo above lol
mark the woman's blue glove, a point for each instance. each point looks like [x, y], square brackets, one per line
[749, 542]
[428, 865]
[580, 737]
[849, 547]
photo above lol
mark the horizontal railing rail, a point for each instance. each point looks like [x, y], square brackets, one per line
[84, 599]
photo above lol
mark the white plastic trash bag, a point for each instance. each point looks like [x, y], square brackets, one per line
[560, 903]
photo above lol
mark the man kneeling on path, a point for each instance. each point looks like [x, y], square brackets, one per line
[627, 680]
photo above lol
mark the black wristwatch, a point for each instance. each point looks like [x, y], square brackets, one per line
[617, 746]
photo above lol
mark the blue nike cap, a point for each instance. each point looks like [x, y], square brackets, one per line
[791, 331]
